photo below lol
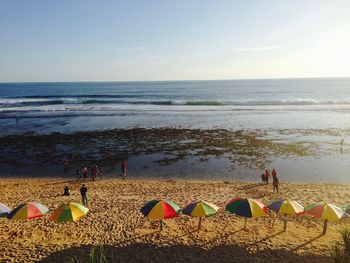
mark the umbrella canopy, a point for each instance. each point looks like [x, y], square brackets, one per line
[200, 209]
[325, 211]
[286, 206]
[347, 209]
[246, 207]
[69, 212]
[28, 211]
[4, 210]
[160, 209]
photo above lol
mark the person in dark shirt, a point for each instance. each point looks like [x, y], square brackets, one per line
[83, 191]
[262, 177]
[275, 183]
[79, 174]
[100, 172]
[267, 175]
[124, 170]
[66, 166]
[66, 191]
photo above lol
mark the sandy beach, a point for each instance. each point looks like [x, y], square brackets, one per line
[115, 222]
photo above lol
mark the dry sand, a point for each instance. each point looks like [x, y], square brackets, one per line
[115, 221]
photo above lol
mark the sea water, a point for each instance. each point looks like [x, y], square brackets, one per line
[230, 104]
[289, 110]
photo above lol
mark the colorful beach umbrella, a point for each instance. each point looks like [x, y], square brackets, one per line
[246, 207]
[160, 209]
[200, 209]
[325, 211]
[347, 209]
[4, 210]
[69, 212]
[287, 207]
[28, 211]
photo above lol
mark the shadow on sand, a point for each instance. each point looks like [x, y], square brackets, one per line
[181, 253]
[307, 242]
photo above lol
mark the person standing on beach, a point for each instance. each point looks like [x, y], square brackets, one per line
[262, 178]
[83, 191]
[124, 170]
[66, 191]
[273, 173]
[17, 120]
[275, 183]
[100, 171]
[85, 173]
[94, 173]
[267, 175]
[79, 175]
[66, 166]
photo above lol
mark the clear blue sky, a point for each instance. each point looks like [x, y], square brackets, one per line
[71, 40]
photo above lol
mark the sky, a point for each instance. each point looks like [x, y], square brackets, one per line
[83, 40]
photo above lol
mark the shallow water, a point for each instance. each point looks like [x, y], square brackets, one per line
[312, 113]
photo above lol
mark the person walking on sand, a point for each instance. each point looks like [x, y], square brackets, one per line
[85, 173]
[79, 175]
[66, 166]
[124, 170]
[273, 173]
[262, 178]
[100, 172]
[93, 173]
[267, 175]
[275, 183]
[83, 191]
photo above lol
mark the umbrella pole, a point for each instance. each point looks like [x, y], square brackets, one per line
[245, 223]
[199, 223]
[285, 223]
[325, 227]
[161, 225]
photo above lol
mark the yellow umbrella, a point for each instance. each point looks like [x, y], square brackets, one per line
[69, 212]
[325, 211]
[287, 207]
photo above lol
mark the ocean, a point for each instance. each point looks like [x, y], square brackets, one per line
[309, 113]
[230, 104]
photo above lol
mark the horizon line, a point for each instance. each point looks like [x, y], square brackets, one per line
[172, 80]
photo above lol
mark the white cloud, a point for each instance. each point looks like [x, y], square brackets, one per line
[131, 48]
[265, 48]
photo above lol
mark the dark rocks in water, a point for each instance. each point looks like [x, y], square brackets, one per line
[247, 148]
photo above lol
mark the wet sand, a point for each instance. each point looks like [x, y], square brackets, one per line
[115, 222]
[178, 153]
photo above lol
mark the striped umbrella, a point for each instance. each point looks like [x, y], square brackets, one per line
[347, 209]
[28, 211]
[160, 209]
[200, 209]
[287, 207]
[69, 212]
[325, 211]
[246, 207]
[4, 210]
